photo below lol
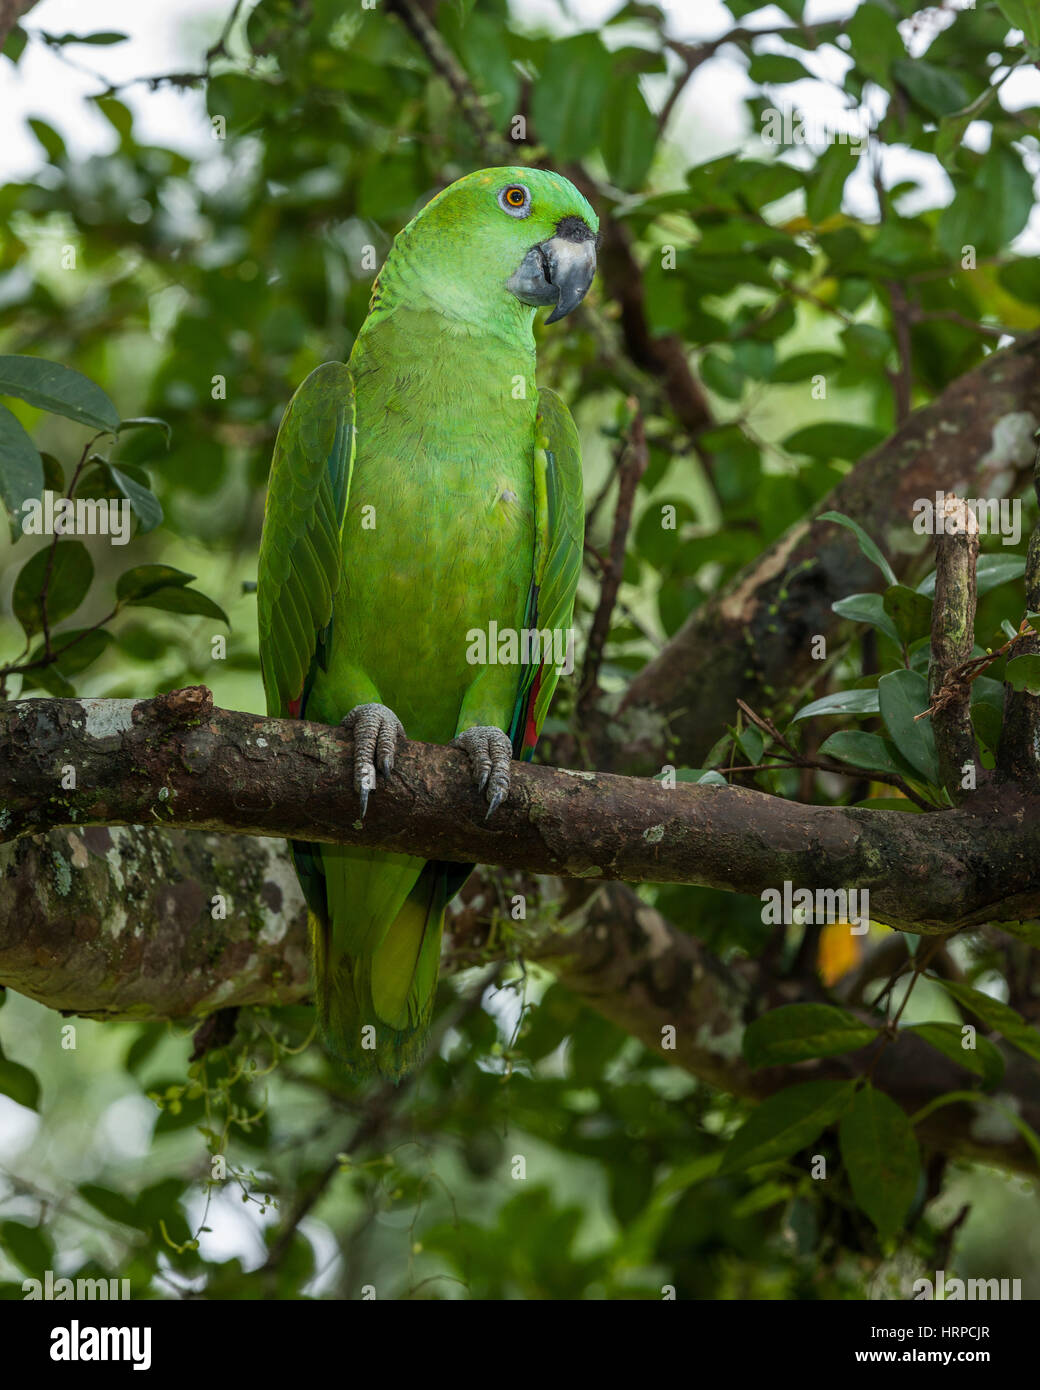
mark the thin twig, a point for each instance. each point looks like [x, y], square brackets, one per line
[494, 146]
[693, 55]
[636, 460]
[953, 639]
[793, 759]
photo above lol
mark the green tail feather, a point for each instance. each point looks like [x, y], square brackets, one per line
[374, 1008]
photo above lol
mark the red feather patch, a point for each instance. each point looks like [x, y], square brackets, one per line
[531, 732]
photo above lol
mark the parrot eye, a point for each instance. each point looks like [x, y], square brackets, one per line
[516, 200]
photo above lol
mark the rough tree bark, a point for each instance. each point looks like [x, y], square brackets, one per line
[177, 761]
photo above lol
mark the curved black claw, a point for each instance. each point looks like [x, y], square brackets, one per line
[490, 754]
[376, 730]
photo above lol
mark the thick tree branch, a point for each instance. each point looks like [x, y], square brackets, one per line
[118, 924]
[176, 761]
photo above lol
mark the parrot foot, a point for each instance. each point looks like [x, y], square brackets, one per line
[490, 754]
[376, 731]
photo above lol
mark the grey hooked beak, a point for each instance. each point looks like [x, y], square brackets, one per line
[558, 271]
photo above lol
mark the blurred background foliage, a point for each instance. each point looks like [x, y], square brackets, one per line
[201, 288]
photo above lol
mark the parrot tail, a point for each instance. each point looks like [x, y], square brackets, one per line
[374, 1005]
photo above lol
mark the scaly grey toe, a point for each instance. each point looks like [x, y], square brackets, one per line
[490, 754]
[376, 731]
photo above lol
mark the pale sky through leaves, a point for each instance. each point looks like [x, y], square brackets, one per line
[711, 118]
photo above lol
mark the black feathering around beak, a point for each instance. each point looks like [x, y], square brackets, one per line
[558, 271]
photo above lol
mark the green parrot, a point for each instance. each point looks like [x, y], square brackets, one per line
[419, 494]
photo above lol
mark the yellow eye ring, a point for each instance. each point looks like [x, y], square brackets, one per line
[515, 197]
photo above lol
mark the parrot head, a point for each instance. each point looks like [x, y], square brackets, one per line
[500, 237]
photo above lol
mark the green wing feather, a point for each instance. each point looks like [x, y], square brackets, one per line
[559, 540]
[301, 565]
[300, 552]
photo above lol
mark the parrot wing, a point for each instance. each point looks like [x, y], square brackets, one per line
[559, 539]
[301, 563]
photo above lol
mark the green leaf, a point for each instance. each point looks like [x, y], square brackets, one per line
[62, 391]
[120, 118]
[70, 578]
[987, 710]
[997, 1015]
[936, 90]
[1022, 279]
[910, 611]
[53, 475]
[804, 365]
[795, 1032]
[786, 1122]
[147, 579]
[628, 138]
[992, 571]
[50, 679]
[141, 422]
[242, 101]
[722, 376]
[881, 1157]
[14, 45]
[567, 103]
[963, 223]
[869, 548]
[866, 344]
[1023, 673]
[113, 1205]
[841, 702]
[950, 137]
[75, 649]
[20, 1084]
[180, 600]
[875, 41]
[144, 503]
[984, 1060]
[827, 183]
[834, 441]
[1025, 931]
[869, 751]
[750, 742]
[53, 144]
[1024, 15]
[1007, 187]
[901, 696]
[867, 608]
[990, 211]
[777, 68]
[21, 468]
[107, 36]
[28, 1246]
